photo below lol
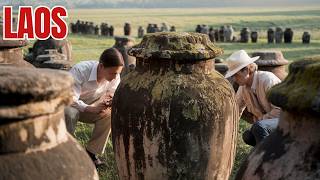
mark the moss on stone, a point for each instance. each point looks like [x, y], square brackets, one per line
[300, 91]
[176, 46]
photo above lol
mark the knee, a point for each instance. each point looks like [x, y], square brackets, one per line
[258, 127]
[248, 138]
[71, 117]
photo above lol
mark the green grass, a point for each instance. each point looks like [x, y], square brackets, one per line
[109, 172]
[303, 19]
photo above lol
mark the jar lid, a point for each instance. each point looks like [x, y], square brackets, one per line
[4, 44]
[176, 46]
[270, 58]
[300, 91]
[28, 92]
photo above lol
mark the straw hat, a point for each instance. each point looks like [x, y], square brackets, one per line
[237, 61]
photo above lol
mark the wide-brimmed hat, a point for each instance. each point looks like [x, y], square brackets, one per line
[237, 61]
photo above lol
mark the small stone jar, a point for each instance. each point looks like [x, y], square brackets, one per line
[11, 53]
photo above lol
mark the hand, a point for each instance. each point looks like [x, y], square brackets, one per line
[108, 100]
[105, 112]
[96, 108]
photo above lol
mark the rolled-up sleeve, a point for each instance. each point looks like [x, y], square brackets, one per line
[241, 103]
[275, 111]
[78, 81]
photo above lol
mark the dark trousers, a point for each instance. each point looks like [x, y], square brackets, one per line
[259, 130]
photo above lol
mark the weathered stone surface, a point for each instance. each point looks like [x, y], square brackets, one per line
[302, 85]
[13, 57]
[272, 61]
[29, 92]
[42, 47]
[10, 51]
[220, 66]
[174, 119]
[176, 46]
[52, 59]
[34, 141]
[5, 44]
[292, 152]
[12, 43]
[123, 44]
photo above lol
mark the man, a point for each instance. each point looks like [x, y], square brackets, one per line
[253, 86]
[95, 84]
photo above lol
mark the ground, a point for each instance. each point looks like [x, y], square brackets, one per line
[260, 19]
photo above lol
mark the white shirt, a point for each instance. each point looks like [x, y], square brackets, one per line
[254, 98]
[86, 89]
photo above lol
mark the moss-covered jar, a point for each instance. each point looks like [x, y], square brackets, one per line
[292, 151]
[34, 143]
[173, 117]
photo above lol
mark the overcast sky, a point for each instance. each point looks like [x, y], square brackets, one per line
[159, 3]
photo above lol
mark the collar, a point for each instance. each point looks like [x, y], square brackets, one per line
[94, 73]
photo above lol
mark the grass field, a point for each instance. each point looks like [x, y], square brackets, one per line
[303, 19]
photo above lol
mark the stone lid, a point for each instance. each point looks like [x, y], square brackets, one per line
[270, 58]
[176, 46]
[12, 43]
[27, 92]
[300, 91]
[4, 44]
[51, 54]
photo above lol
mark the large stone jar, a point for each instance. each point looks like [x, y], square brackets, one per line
[292, 151]
[173, 117]
[34, 143]
[272, 61]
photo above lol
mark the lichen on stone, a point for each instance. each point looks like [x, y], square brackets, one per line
[300, 91]
[176, 46]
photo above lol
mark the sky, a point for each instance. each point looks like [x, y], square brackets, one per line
[159, 3]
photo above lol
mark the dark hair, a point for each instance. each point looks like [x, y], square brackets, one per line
[111, 57]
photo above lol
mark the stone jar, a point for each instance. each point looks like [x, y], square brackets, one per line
[270, 35]
[52, 59]
[173, 117]
[34, 143]
[292, 151]
[127, 29]
[288, 35]
[279, 35]
[220, 66]
[63, 47]
[244, 35]
[11, 53]
[254, 36]
[306, 38]
[272, 61]
[123, 44]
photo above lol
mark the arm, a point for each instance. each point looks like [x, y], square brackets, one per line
[240, 101]
[78, 81]
[268, 84]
